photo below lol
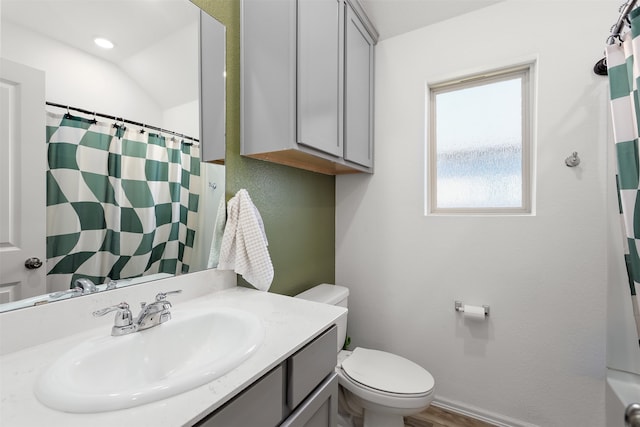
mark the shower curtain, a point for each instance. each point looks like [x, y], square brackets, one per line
[623, 62]
[120, 203]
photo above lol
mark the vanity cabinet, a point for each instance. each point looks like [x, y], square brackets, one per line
[307, 84]
[302, 391]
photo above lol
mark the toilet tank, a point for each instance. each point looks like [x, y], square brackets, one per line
[333, 295]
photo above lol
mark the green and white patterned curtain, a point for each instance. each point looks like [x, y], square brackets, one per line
[120, 203]
[624, 75]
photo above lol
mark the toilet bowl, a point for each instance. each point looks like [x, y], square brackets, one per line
[388, 387]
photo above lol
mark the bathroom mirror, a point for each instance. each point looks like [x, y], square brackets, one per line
[112, 108]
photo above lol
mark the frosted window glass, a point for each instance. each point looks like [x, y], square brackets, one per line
[479, 146]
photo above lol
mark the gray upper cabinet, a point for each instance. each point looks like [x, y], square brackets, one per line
[358, 93]
[212, 89]
[307, 84]
[318, 90]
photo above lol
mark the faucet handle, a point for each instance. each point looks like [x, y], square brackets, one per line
[73, 291]
[163, 295]
[123, 322]
[102, 312]
[111, 284]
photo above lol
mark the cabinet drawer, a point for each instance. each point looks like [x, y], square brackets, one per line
[320, 409]
[309, 366]
[258, 406]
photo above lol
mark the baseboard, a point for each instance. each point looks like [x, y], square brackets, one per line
[479, 414]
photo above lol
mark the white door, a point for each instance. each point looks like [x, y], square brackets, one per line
[22, 181]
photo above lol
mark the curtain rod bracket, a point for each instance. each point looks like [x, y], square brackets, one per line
[600, 68]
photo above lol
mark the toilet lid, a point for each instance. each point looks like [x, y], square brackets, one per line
[387, 372]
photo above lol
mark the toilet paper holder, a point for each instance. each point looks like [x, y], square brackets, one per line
[459, 306]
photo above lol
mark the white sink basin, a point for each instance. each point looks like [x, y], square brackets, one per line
[109, 373]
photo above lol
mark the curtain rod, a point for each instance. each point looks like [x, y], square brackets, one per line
[123, 120]
[623, 20]
[601, 66]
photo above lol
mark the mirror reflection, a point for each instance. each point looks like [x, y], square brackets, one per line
[126, 197]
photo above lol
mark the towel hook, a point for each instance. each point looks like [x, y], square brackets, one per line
[573, 160]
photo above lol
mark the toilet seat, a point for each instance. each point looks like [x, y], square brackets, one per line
[385, 379]
[387, 372]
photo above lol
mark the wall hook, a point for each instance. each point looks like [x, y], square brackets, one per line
[573, 160]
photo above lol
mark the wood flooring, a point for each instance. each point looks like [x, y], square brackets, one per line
[430, 417]
[436, 417]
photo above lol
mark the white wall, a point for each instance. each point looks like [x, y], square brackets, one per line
[540, 358]
[78, 79]
[173, 59]
[184, 118]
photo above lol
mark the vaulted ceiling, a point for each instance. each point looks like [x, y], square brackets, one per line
[394, 17]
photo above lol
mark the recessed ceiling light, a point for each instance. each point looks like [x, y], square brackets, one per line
[103, 43]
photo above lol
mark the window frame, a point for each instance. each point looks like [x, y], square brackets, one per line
[525, 72]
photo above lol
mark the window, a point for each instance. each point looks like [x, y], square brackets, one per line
[479, 143]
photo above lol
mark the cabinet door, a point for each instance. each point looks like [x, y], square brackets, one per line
[260, 405]
[358, 91]
[320, 409]
[212, 89]
[318, 70]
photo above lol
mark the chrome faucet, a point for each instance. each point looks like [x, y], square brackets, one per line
[87, 286]
[150, 315]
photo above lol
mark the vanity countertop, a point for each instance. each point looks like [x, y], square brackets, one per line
[289, 324]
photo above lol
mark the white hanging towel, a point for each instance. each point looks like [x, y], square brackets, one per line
[218, 230]
[244, 243]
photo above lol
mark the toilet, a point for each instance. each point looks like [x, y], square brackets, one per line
[388, 387]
